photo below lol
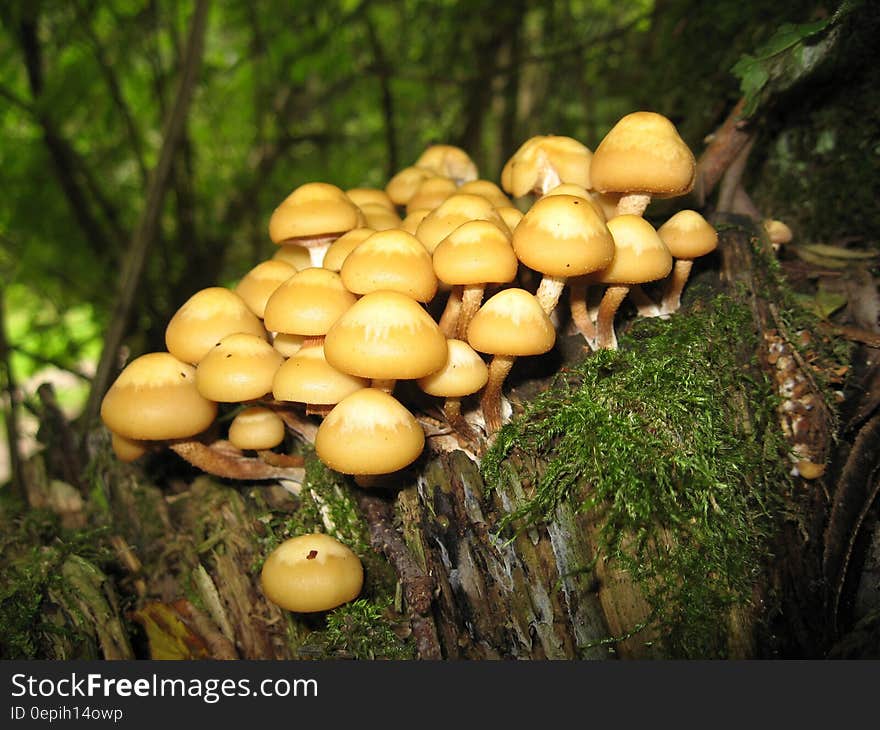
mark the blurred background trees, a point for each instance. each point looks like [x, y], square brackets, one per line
[345, 91]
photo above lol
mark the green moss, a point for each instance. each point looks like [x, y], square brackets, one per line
[364, 630]
[653, 438]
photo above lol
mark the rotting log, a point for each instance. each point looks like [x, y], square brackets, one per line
[181, 579]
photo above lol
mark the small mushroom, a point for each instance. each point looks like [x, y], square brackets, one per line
[344, 245]
[449, 161]
[543, 162]
[308, 378]
[239, 368]
[311, 573]
[687, 235]
[258, 284]
[256, 428]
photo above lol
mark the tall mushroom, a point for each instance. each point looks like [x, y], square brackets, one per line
[642, 157]
[640, 256]
[510, 324]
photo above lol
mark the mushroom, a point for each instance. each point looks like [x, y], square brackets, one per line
[510, 324]
[155, 398]
[308, 378]
[206, 318]
[562, 236]
[294, 254]
[126, 449]
[403, 185]
[640, 256]
[777, 231]
[456, 210]
[473, 255]
[392, 260]
[380, 218]
[543, 162]
[642, 157]
[311, 573]
[344, 245]
[308, 304]
[449, 161]
[258, 284]
[411, 223]
[431, 193]
[239, 368]
[370, 196]
[687, 235]
[463, 374]
[314, 215]
[386, 336]
[368, 433]
[487, 189]
[256, 428]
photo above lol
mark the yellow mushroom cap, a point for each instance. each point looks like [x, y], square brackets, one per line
[369, 432]
[411, 223]
[640, 255]
[155, 398]
[386, 335]
[688, 235]
[206, 318]
[777, 231]
[579, 192]
[511, 323]
[464, 373]
[288, 345]
[293, 254]
[240, 367]
[311, 573]
[256, 428]
[344, 245]
[391, 260]
[379, 218]
[372, 196]
[258, 284]
[405, 183]
[307, 377]
[510, 215]
[431, 193]
[478, 252]
[453, 212]
[308, 303]
[526, 168]
[643, 153]
[563, 236]
[313, 210]
[126, 449]
[487, 189]
[449, 161]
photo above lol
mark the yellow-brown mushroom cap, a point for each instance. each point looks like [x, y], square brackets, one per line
[688, 235]
[344, 245]
[206, 318]
[311, 573]
[386, 335]
[240, 367]
[511, 323]
[379, 218]
[431, 193]
[563, 236]
[453, 212]
[308, 303]
[155, 398]
[256, 428]
[578, 191]
[640, 255]
[410, 224]
[258, 284]
[307, 377]
[391, 260]
[313, 210]
[287, 344]
[449, 161]
[510, 215]
[527, 166]
[293, 254]
[403, 185]
[487, 189]
[372, 196]
[126, 449]
[477, 252]
[464, 373]
[369, 432]
[643, 153]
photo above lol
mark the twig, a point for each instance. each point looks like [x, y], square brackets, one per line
[149, 220]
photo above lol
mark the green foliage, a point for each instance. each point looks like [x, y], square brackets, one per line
[684, 489]
[362, 630]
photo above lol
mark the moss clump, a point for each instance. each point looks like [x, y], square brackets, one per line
[364, 630]
[654, 438]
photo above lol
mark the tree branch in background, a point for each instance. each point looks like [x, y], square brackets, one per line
[10, 415]
[149, 220]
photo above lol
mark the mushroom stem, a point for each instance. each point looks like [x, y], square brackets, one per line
[317, 251]
[386, 385]
[611, 301]
[490, 401]
[449, 318]
[548, 178]
[646, 306]
[674, 287]
[632, 204]
[580, 315]
[471, 298]
[224, 460]
[549, 292]
[462, 429]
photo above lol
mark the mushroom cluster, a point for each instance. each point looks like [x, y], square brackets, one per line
[381, 307]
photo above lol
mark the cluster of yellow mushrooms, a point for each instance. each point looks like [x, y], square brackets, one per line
[441, 278]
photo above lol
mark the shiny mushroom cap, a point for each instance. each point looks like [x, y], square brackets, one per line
[688, 235]
[543, 158]
[308, 378]
[344, 245]
[238, 368]
[391, 260]
[449, 161]
[453, 212]
[640, 255]
[464, 373]
[308, 303]
[314, 210]
[511, 323]
[258, 284]
[477, 252]
[256, 428]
